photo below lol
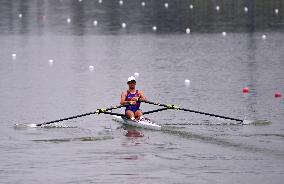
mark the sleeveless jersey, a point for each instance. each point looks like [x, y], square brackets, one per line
[129, 96]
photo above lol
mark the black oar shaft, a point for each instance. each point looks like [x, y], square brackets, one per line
[98, 111]
[115, 107]
[209, 114]
[189, 110]
[113, 113]
[157, 110]
[64, 119]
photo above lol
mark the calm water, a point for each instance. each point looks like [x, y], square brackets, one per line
[95, 149]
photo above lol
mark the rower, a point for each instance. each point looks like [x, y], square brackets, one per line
[132, 98]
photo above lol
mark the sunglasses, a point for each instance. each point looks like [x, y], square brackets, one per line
[131, 82]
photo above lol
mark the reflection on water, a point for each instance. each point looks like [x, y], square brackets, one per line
[130, 131]
[134, 133]
[44, 16]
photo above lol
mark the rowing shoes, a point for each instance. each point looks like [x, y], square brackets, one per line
[143, 123]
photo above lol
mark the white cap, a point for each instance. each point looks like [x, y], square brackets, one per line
[131, 78]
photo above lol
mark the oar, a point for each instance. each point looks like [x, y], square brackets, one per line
[194, 111]
[113, 113]
[157, 110]
[98, 111]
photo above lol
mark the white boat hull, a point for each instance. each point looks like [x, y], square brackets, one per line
[147, 124]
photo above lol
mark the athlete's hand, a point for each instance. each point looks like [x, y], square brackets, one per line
[135, 99]
[132, 102]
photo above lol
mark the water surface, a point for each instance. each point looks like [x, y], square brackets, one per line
[95, 149]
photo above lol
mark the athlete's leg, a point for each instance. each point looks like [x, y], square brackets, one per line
[130, 114]
[138, 114]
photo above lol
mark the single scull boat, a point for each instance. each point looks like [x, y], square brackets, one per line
[143, 123]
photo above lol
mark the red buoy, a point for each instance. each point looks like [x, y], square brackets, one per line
[245, 90]
[277, 95]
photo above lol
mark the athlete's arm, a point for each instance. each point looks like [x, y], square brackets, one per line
[142, 96]
[122, 99]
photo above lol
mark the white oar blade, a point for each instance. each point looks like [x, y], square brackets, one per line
[31, 125]
[256, 122]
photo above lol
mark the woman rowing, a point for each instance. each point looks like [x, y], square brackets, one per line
[132, 98]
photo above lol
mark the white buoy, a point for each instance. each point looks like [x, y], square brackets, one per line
[68, 20]
[95, 23]
[80, 1]
[50, 61]
[100, 1]
[217, 8]
[136, 74]
[143, 3]
[263, 37]
[276, 11]
[91, 67]
[166, 5]
[123, 25]
[187, 30]
[154, 28]
[120, 2]
[14, 56]
[191, 6]
[20, 15]
[246, 9]
[224, 33]
[187, 82]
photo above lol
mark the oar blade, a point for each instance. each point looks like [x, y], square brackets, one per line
[19, 125]
[256, 122]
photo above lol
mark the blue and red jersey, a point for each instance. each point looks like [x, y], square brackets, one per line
[129, 96]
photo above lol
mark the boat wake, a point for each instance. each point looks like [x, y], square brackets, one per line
[226, 142]
[208, 123]
[62, 140]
